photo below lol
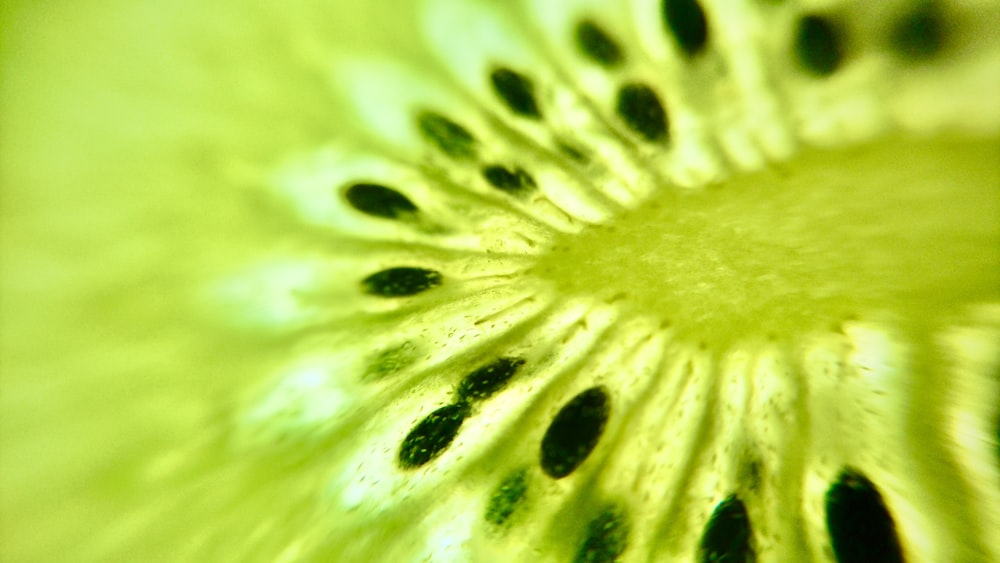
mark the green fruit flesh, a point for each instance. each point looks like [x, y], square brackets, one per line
[907, 227]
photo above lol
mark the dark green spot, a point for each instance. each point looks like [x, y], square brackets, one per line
[453, 139]
[574, 432]
[400, 282]
[727, 534]
[607, 538]
[379, 201]
[487, 380]
[432, 435]
[750, 474]
[507, 497]
[389, 361]
[597, 45]
[919, 34]
[640, 109]
[818, 45]
[685, 20]
[517, 91]
[508, 179]
[998, 442]
[860, 526]
[572, 152]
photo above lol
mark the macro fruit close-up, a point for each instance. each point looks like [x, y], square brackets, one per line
[472, 280]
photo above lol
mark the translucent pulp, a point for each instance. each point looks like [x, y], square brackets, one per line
[898, 229]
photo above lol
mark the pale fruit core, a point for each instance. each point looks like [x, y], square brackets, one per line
[902, 229]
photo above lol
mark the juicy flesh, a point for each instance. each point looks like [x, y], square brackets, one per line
[903, 230]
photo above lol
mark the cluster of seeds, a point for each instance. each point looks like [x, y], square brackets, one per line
[588, 422]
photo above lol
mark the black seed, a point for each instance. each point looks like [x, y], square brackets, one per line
[517, 91]
[378, 200]
[400, 282]
[607, 538]
[920, 33]
[727, 534]
[453, 139]
[597, 45]
[432, 435]
[818, 45]
[507, 179]
[640, 109]
[487, 380]
[686, 22]
[574, 432]
[860, 526]
[507, 497]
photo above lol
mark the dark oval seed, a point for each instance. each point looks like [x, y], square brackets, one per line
[401, 282]
[487, 380]
[450, 137]
[379, 201]
[818, 45]
[506, 179]
[607, 538]
[432, 435]
[919, 34]
[507, 497]
[597, 45]
[517, 91]
[640, 109]
[727, 534]
[860, 526]
[686, 22]
[574, 432]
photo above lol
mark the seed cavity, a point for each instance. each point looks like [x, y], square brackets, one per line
[517, 91]
[432, 435]
[448, 136]
[919, 34]
[574, 432]
[818, 45]
[727, 534]
[860, 526]
[685, 20]
[507, 498]
[401, 282]
[488, 380]
[511, 180]
[379, 201]
[595, 44]
[640, 109]
[606, 539]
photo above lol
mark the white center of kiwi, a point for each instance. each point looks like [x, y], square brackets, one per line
[909, 228]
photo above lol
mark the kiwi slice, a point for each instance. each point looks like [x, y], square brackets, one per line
[680, 280]
[663, 280]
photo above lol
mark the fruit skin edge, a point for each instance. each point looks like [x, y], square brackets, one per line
[123, 303]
